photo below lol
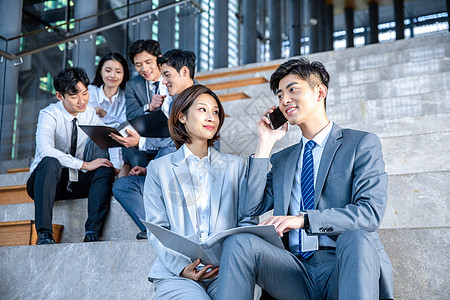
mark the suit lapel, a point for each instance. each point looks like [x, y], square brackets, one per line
[332, 145]
[183, 176]
[142, 86]
[217, 175]
[290, 166]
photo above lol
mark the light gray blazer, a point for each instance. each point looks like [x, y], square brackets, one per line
[350, 191]
[169, 202]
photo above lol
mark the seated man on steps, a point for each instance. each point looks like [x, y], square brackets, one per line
[59, 171]
[328, 194]
[177, 69]
[146, 93]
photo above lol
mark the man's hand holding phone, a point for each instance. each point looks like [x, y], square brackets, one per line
[267, 135]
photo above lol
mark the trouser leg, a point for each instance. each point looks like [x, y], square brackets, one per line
[42, 187]
[99, 198]
[128, 191]
[358, 266]
[247, 259]
[178, 288]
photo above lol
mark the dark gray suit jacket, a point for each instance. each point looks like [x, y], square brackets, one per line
[136, 97]
[350, 191]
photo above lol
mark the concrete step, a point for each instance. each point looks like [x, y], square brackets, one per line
[420, 260]
[14, 163]
[417, 153]
[102, 271]
[13, 179]
[420, 199]
[72, 215]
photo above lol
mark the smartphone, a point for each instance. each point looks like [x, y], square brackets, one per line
[277, 119]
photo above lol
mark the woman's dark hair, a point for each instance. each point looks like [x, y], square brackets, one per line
[181, 105]
[98, 80]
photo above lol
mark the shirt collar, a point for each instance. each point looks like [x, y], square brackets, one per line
[104, 98]
[69, 117]
[189, 155]
[151, 81]
[320, 138]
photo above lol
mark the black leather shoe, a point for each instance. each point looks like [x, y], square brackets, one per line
[142, 235]
[91, 236]
[45, 237]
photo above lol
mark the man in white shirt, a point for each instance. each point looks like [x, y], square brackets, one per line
[145, 93]
[58, 171]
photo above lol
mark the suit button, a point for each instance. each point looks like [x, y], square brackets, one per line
[330, 229]
[321, 229]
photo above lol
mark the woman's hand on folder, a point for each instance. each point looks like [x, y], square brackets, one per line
[191, 272]
[130, 141]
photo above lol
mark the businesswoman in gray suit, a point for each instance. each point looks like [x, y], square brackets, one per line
[193, 192]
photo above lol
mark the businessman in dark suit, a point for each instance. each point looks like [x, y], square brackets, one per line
[328, 194]
[145, 93]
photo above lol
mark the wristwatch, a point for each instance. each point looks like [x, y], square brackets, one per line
[305, 220]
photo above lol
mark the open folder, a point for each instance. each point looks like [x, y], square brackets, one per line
[100, 135]
[210, 250]
[153, 124]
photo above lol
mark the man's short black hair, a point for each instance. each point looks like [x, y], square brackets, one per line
[313, 73]
[65, 82]
[177, 59]
[150, 46]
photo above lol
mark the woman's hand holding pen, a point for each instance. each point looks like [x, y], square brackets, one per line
[267, 136]
[157, 101]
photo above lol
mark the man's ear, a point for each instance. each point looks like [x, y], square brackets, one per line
[184, 71]
[322, 90]
[59, 96]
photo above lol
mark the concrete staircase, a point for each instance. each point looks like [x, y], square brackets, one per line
[400, 91]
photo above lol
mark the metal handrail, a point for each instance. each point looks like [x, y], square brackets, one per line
[47, 28]
[92, 31]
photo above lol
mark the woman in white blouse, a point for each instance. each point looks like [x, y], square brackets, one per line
[193, 192]
[107, 96]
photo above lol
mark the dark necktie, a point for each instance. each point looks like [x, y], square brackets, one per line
[307, 185]
[73, 141]
[156, 83]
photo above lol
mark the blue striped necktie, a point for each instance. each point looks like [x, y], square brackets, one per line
[307, 186]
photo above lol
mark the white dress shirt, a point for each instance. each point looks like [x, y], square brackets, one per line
[162, 90]
[199, 170]
[115, 109]
[294, 205]
[115, 115]
[54, 134]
